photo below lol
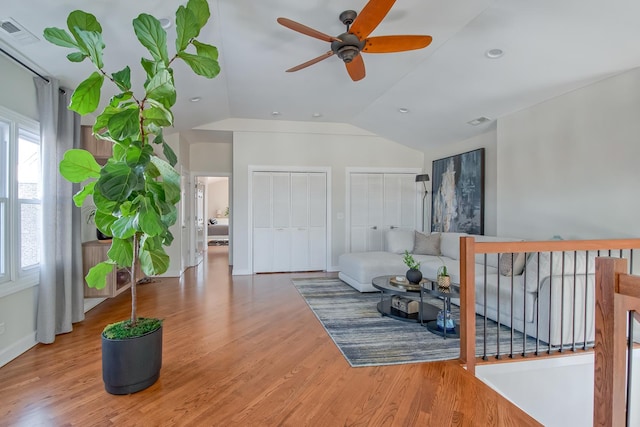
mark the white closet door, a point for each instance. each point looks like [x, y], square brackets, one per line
[299, 221]
[367, 204]
[317, 221]
[281, 205]
[399, 201]
[262, 219]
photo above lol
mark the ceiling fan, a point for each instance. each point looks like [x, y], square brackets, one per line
[355, 40]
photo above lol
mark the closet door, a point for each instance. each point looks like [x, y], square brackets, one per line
[262, 219]
[367, 202]
[380, 202]
[281, 197]
[289, 221]
[317, 221]
[399, 201]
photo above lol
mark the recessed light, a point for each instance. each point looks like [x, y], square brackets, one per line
[494, 53]
[403, 110]
[316, 115]
[165, 23]
[275, 113]
[479, 121]
[195, 99]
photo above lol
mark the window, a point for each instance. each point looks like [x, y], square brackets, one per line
[20, 199]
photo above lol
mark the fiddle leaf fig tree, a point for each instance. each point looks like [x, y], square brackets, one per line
[135, 192]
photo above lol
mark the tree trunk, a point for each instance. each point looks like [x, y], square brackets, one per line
[134, 279]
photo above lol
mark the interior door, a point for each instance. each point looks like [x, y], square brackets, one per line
[367, 205]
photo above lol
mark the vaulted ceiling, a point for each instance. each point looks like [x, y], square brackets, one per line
[550, 47]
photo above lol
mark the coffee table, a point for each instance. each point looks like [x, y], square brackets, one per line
[453, 291]
[388, 289]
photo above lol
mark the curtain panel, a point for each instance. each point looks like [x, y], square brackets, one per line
[61, 289]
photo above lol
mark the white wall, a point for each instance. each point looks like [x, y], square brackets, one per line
[17, 310]
[488, 142]
[211, 157]
[217, 196]
[570, 166]
[308, 149]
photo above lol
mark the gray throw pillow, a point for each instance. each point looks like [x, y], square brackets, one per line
[504, 265]
[426, 244]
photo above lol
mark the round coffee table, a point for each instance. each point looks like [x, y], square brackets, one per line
[453, 291]
[389, 287]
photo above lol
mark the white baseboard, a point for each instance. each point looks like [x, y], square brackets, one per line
[333, 268]
[238, 272]
[17, 348]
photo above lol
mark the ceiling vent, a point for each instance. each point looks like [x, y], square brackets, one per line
[10, 28]
[479, 121]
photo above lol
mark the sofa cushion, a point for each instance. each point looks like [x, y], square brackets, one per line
[398, 241]
[364, 266]
[450, 244]
[510, 265]
[426, 244]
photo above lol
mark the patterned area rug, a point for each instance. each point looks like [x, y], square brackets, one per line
[366, 338]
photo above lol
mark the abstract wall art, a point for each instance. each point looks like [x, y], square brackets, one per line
[457, 202]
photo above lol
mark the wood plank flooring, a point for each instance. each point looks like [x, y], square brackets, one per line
[238, 351]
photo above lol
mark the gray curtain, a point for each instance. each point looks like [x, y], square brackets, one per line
[61, 290]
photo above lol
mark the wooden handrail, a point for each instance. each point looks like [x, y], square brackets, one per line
[469, 247]
[617, 293]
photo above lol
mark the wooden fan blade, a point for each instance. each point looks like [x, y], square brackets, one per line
[370, 16]
[355, 68]
[311, 62]
[308, 31]
[387, 44]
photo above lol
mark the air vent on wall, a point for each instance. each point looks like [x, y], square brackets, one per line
[10, 28]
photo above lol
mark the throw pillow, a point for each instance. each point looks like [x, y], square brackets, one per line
[507, 260]
[426, 244]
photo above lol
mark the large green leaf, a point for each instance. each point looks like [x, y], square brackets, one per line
[104, 221]
[121, 252]
[138, 155]
[200, 9]
[159, 116]
[152, 36]
[93, 42]
[81, 195]
[201, 65]
[149, 219]
[86, 97]
[59, 37]
[186, 28]
[97, 276]
[171, 179]
[78, 165]
[117, 181]
[104, 205]
[170, 217]
[169, 153]
[161, 88]
[206, 50]
[122, 79]
[80, 20]
[154, 262]
[124, 124]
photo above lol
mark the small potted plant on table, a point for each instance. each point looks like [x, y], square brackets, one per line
[414, 275]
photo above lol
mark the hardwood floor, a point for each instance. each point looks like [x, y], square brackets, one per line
[244, 351]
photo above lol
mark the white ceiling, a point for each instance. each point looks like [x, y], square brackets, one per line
[551, 47]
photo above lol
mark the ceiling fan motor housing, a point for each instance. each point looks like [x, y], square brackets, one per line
[348, 47]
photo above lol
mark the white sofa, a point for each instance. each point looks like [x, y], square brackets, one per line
[545, 295]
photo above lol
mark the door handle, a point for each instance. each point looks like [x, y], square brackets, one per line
[393, 227]
[375, 227]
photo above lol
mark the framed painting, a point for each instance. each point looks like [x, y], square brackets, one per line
[457, 199]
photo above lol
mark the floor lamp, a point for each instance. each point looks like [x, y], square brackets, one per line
[424, 178]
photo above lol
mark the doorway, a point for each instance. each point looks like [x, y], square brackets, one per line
[213, 213]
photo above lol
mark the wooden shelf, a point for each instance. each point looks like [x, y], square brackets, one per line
[118, 280]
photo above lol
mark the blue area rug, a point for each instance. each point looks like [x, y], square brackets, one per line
[366, 338]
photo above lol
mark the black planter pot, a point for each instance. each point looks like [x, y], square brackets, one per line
[101, 236]
[131, 365]
[414, 276]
